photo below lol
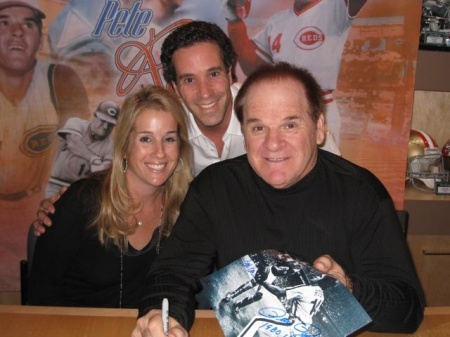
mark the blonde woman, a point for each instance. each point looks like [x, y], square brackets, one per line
[110, 227]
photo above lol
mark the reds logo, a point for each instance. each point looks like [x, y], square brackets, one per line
[37, 141]
[309, 38]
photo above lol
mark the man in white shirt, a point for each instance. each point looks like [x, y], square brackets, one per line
[204, 149]
[198, 60]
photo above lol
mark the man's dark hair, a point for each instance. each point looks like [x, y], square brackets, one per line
[280, 72]
[190, 34]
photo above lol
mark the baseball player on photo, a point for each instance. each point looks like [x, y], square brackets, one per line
[311, 34]
[85, 147]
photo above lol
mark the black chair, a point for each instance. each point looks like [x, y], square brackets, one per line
[25, 266]
[404, 218]
[23, 281]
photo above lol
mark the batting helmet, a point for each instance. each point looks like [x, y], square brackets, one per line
[107, 111]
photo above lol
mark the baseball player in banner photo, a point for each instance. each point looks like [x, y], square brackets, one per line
[310, 34]
[36, 97]
[85, 147]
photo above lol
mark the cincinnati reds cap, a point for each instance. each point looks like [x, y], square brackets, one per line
[107, 111]
[31, 4]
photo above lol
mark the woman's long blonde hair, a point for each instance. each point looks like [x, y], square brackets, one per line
[116, 204]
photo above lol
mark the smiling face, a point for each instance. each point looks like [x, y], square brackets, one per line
[204, 84]
[153, 150]
[20, 40]
[280, 136]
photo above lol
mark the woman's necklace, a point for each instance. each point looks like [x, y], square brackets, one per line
[158, 244]
[158, 248]
[140, 223]
[121, 279]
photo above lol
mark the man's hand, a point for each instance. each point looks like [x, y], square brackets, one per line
[46, 207]
[236, 10]
[151, 325]
[327, 265]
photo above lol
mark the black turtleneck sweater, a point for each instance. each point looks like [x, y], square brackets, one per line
[338, 209]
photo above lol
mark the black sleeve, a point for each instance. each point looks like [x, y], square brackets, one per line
[384, 279]
[379, 262]
[56, 249]
[187, 255]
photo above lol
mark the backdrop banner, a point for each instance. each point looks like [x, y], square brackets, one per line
[363, 53]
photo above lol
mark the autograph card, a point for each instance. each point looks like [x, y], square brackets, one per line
[272, 294]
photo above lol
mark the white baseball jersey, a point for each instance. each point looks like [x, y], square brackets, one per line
[27, 138]
[313, 38]
[305, 301]
[68, 166]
